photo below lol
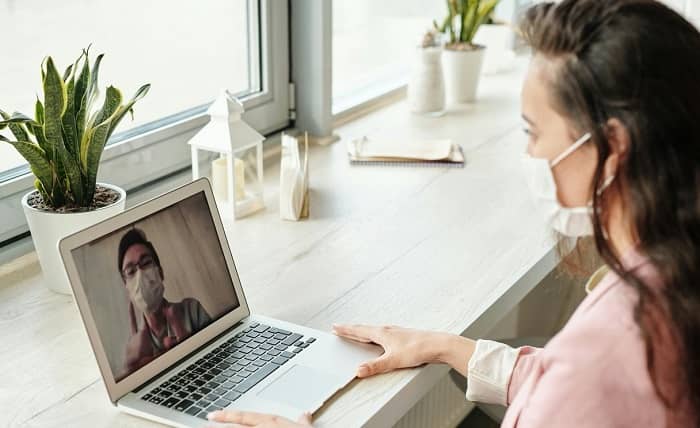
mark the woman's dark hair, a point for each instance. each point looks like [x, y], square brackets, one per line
[133, 237]
[638, 61]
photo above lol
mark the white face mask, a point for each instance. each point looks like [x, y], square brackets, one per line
[569, 221]
[146, 289]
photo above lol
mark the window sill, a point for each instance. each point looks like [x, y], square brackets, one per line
[349, 108]
[17, 248]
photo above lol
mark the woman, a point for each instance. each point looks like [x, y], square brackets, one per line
[612, 105]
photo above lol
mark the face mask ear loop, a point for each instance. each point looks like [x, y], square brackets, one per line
[599, 192]
[605, 185]
[578, 143]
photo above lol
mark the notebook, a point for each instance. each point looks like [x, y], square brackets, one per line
[428, 153]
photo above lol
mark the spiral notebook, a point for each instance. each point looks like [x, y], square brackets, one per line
[425, 153]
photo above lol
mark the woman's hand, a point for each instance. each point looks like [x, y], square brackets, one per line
[405, 348]
[236, 419]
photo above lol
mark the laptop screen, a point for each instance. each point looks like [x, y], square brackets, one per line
[156, 282]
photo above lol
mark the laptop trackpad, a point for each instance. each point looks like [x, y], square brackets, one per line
[302, 387]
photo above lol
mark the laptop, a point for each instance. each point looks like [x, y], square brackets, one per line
[167, 318]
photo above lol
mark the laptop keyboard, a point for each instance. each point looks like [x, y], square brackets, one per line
[220, 377]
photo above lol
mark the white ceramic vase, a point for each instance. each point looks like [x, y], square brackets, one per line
[462, 72]
[48, 228]
[426, 88]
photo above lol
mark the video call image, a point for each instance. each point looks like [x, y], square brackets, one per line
[154, 283]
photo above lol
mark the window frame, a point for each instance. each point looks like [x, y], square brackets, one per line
[128, 160]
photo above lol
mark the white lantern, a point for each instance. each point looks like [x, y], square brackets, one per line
[237, 175]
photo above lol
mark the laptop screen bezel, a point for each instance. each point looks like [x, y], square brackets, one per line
[117, 390]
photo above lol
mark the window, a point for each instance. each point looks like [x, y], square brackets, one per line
[186, 67]
[188, 51]
[374, 43]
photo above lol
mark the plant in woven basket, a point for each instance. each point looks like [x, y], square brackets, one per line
[64, 141]
[464, 17]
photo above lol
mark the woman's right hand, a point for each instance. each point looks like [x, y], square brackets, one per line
[406, 348]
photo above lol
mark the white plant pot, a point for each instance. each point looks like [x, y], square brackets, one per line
[462, 72]
[48, 228]
[426, 88]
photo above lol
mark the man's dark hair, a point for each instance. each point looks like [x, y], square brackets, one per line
[133, 237]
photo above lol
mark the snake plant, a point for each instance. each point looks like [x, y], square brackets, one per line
[64, 141]
[464, 17]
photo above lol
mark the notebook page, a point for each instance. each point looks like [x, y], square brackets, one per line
[420, 149]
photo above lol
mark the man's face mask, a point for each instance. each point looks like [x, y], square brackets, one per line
[569, 221]
[145, 288]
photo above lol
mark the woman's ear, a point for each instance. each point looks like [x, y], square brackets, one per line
[619, 141]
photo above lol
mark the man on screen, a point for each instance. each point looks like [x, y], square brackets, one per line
[165, 324]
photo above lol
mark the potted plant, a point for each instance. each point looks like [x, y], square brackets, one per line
[462, 59]
[63, 145]
[426, 88]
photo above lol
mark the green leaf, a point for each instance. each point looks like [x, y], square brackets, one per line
[140, 93]
[468, 22]
[17, 129]
[80, 96]
[17, 119]
[39, 112]
[43, 67]
[60, 183]
[93, 89]
[449, 20]
[113, 100]
[92, 147]
[37, 129]
[463, 6]
[75, 91]
[98, 138]
[93, 154]
[70, 131]
[485, 10]
[42, 191]
[111, 105]
[67, 73]
[55, 104]
[36, 158]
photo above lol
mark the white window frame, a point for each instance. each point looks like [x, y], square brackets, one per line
[133, 161]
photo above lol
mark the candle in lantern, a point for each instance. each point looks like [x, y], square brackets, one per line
[219, 179]
[239, 186]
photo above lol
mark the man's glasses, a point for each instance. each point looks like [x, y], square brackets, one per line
[145, 262]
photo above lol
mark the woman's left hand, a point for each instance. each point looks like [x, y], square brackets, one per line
[236, 419]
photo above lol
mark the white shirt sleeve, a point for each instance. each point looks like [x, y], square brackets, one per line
[489, 372]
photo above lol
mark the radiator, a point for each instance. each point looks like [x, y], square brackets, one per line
[443, 407]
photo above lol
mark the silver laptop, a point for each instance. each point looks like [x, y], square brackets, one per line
[168, 321]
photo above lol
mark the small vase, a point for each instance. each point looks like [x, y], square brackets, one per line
[426, 88]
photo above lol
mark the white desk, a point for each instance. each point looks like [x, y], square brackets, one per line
[442, 249]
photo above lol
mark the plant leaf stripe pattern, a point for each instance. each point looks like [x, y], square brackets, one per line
[64, 142]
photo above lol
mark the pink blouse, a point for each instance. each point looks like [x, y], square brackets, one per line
[592, 374]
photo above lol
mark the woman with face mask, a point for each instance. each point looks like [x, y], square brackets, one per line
[164, 324]
[612, 105]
